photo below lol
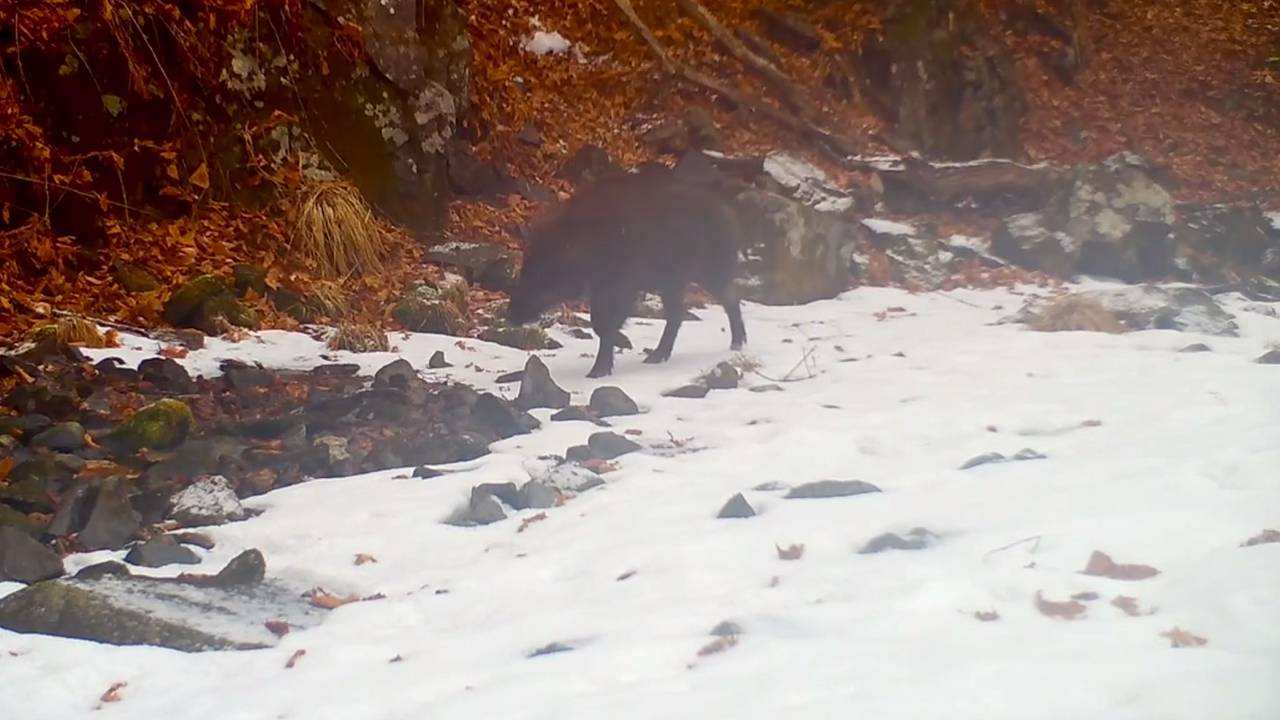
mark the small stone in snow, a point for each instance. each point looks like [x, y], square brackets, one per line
[537, 389]
[537, 496]
[577, 413]
[726, 628]
[723, 377]
[1196, 348]
[426, 472]
[771, 486]
[771, 387]
[736, 507]
[607, 445]
[159, 551]
[983, 459]
[437, 361]
[1029, 454]
[830, 489]
[514, 376]
[692, 391]
[579, 454]
[1271, 357]
[609, 401]
[918, 539]
[550, 649]
[24, 560]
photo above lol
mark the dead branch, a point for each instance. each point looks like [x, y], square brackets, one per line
[842, 148]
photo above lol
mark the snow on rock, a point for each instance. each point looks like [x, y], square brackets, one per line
[1275, 219]
[807, 183]
[547, 43]
[207, 501]
[888, 227]
[1162, 459]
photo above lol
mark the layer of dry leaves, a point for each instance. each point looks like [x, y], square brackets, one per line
[1187, 84]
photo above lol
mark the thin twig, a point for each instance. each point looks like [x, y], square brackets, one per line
[74, 191]
[1034, 540]
[787, 377]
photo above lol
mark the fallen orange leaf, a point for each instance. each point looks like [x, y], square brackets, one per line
[1066, 610]
[1102, 565]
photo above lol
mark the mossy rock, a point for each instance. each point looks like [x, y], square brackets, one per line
[162, 425]
[14, 519]
[292, 304]
[434, 308]
[69, 610]
[207, 304]
[135, 279]
[248, 277]
[523, 337]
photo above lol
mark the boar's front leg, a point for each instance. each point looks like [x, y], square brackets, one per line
[673, 310]
[608, 312]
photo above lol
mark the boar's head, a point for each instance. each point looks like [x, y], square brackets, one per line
[553, 272]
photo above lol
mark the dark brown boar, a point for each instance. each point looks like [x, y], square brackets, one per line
[647, 231]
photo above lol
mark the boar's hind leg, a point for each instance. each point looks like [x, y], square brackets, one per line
[727, 295]
[673, 310]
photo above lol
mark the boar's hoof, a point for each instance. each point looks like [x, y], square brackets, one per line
[657, 356]
[598, 371]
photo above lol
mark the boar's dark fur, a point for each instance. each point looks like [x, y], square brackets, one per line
[647, 231]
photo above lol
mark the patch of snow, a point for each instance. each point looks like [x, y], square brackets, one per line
[968, 242]
[1176, 471]
[1275, 219]
[547, 43]
[209, 499]
[888, 227]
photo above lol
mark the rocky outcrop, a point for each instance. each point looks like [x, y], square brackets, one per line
[794, 254]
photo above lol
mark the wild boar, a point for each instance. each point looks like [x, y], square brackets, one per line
[647, 231]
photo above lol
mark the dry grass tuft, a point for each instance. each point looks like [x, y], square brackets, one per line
[1076, 313]
[329, 299]
[359, 338]
[336, 231]
[71, 331]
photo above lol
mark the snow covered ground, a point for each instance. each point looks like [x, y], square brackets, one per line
[1178, 464]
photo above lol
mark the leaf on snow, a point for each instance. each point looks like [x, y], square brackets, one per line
[294, 658]
[321, 599]
[1102, 565]
[1180, 638]
[279, 628]
[1129, 605]
[364, 559]
[718, 645]
[1066, 610]
[987, 615]
[113, 693]
[791, 552]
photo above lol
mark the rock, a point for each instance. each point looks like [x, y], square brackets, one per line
[396, 374]
[669, 136]
[701, 127]
[162, 425]
[578, 413]
[492, 267]
[1122, 216]
[111, 521]
[160, 551]
[246, 278]
[426, 472]
[244, 376]
[794, 254]
[726, 629]
[208, 501]
[8, 444]
[588, 164]
[135, 278]
[736, 507]
[569, 477]
[917, 539]
[166, 374]
[722, 377]
[200, 540]
[437, 361]
[771, 387]
[550, 649]
[995, 457]
[610, 401]
[1215, 242]
[24, 560]
[691, 391]
[1151, 307]
[438, 309]
[247, 568]
[1270, 357]
[830, 489]
[524, 337]
[529, 135]
[501, 418]
[538, 496]
[189, 338]
[10, 518]
[482, 510]
[537, 389]
[608, 445]
[107, 604]
[63, 437]
[789, 28]
[507, 378]
[29, 484]
[207, 304]
[1196, 348]
[469, 176]
[507, 493]
[579, 454]
[1024, 240]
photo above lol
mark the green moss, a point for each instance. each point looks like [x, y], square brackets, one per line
[524, 337]
[135, 279]
[187, 300]
[162, 425]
